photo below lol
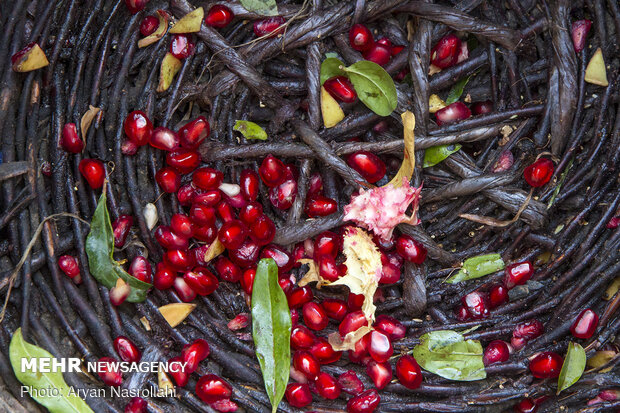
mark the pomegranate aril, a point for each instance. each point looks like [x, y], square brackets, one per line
[185, 292]
[270, 25]
[183, 160]
[120, 228]
[194, 132]
[379, 373]
[445, 53]
[148, 25]
[283, 195]
[476, 304]
[201, 280]
[263, 230]
[327, 243]
[454, 112]
[137, 126]
[211, 388]
[250, 213]
[366, 402]
[46, 168]
[70, 141]
[314, 316]
[324, 352]
[341, 89]
[579, 32]
[408, 372]
[315, 186]
[182, 46]
[69, 265]
[227, 270]
[224, 406]
[378, 53]
[185, 194]
[298, 395]
[247, 280]
[286, 283]
[219, 16]
[202, 216]
[327, 386]
[283, 258]
[164, 276]
[194, 353]
[496, 352]
[299, 296]
[504, 163]
[127, 350]
[302, 337]
[246, 255]
[141, 269]
[232, 234]
[585, 324]
[410, 249]
[134, 6]
[128, 148]
[526, 405]
[360, 352]
[93, 171]
[352, 322]
[396, 49]
[180, 260]
[205, 233]
[109, 372]
[136, 405]
[168, 179]
[546, 365]
[207, 178]
[225, 211]
[385, 42]
[272, 171]
[249, 183]
[518, 273]
[328, 269]
[238, 201]
[482, 108]
[360, 38]
[178, 371]
[350, 383]
[390, 326]
[320, 206]
[498, 295]
[164, 139]
[208, 198]
[368, 165]
[538, 173]
[335, 308]
[613, 223]
[380, 347]
[461, 313]
[528, 330]
[170, 240]
[389, 274]
[182, 226]
[305, 363]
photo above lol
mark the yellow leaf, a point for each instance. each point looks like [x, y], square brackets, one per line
[175, 313]
[190, 23]
[435, 103]
[406, 169]
[595, 71]
[330, 109]
[164, 18]
[87, 119]
[170, 65]
[600, 358]
[612, 289]
[214, 250]
[363, 268]
[145, 323]
[350, 339]
[30, 60]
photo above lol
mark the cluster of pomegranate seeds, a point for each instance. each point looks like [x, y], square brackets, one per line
[379, 51]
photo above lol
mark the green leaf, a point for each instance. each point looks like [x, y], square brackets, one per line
[263, 7]
[436, 154]
[457, 90]
[57, 397]
[447, 354]
[573, 367]
[476, 267]
[271, 329]
[556, 191]
[374, 86]
[331, 67]
[250, 130]
[331, 54]
[100, 250]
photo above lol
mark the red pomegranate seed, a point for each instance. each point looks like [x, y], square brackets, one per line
[177, 371]
[250, 213]
[315, 187]
[379, 373]
[183, 160]
[579, 32]
[366, 402]
[408, 372]
[169, 240]
[120, 228]
[396, 49]
[389, 274]
[164, 139]
[208, 198]
[324, 352]
[378, 53]
[305, 363]
[334, 308]
[247, 280]
[496, 352]
[127, 350]
[341, 89]
[219, 16]
[390, 326]
[185, 292]
[164, 276]
[272, 171]
[528, 330]
[283, 258]
[246, 255]
[298, 395]
[368, 165]
[128, 148]
[141, 269]
[224, 405]
[201, 280]
[526, 405]
[240, 322]
[410, 249]
[207, 178]
[283, 195]
[314, 316]
[454, 112]
[385, 42]
[109, 372]
[232, 234]
[360, 353]
[286, 283]
[504, 163]
[263, 230]
[320, 206]
[179, 259]
[360, 38]
[249, 183]
[182, 226]
[518, 273]
[46, 168]
[461, 313]
[482, 108]
[136, 405]
[270, 25]
[445, 53]
[546, 365]
[613, 223]
[227, 270]
[168, 179]
[194, 132]
[302, 338]
[585, 324]
[327, 243]
[477, 304]
[137, 126]
[237, 201]
[70, 141]
[300, 296]
[185, 194]
[352, 322]
[211, 388]
[182, 46]
[194, 353]
[538, 173]
[134, 6]
[498, 295]
[93, 171]
[205, 233]
[225, 211]
[350, 383]
[327, 386]
[355, 301]
[69, 265]
[148, 25]
[328, 269]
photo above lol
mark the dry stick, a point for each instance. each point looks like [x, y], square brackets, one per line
[496, 222]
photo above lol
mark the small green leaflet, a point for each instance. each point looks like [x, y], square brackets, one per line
[457, 90]
[556, 191]
[263, 7]
[447, 354]
[250, 130]
[271, 329]
[573, 367]
[436, 154]
[330, 68]
[100, 250]
[478, 266]
[60, 401]
[374, 86]
[331, 54]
